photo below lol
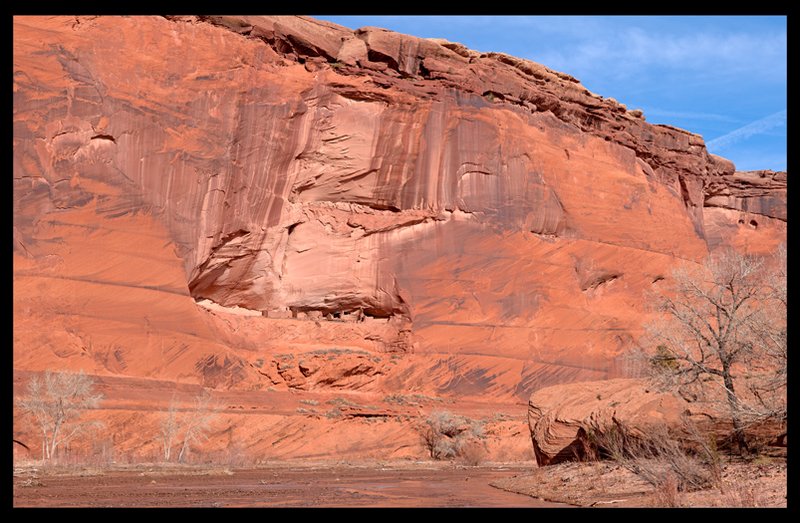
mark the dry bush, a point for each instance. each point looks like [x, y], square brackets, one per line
[666, 492]
[740, 495]
[704, 446]
[447, 435]
[334, 413]
[237, 456]
[588, 447]
[397, 399]
[656, 457]
[101, 454]
[472, 453]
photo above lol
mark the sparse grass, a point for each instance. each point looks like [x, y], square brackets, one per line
[30, 482]
[334, 413]
[321, 352]
[220, 472]
[410, 399]
[614, 485]
[341, 402]
[193, 470]
[309, 402]
[397, 399]
[47, 468]
[739, 495]
[666, 492]
[658, 458]
[90, 472]
[423, 397]
[217, 465]
[761, 459]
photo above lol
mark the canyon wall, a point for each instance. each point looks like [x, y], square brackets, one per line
[283, 204]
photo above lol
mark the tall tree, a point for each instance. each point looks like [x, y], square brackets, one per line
[169, 428]
[198, 422]
[724, 325]
[57, 400]
[188, 427]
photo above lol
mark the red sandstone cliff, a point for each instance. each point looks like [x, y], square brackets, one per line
[472, 225]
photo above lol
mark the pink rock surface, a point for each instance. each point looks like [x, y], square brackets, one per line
[481, 224]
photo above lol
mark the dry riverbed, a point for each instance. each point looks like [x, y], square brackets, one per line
[407, 485]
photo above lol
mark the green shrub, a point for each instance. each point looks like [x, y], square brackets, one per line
[663, 359]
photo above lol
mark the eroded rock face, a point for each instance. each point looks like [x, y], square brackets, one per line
[746, 211]
[755, 192]
[485, 216]
[560, 417]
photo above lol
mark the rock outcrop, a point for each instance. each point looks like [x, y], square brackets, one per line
[485, 224]
[562, 417]
[746, 210]
[756, 192]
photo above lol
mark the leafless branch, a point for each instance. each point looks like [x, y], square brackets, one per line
[57, 400]
[726, 320]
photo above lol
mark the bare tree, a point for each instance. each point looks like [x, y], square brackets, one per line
[769, 368]
[57, 401]
[721, 321]
[198, 423]
[188, 427]
[169, 428]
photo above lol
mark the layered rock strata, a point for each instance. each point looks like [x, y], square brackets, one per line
[483, 222]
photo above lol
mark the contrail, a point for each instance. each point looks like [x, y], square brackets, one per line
[757, 127]
[688, 115]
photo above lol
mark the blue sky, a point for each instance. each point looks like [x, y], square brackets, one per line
[723, 77]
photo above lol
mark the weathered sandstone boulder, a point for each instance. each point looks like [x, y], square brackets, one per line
[561, 417]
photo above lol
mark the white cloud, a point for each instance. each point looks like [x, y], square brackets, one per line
[688, 115]
[759, 126]
[633, 50]
[702, 50]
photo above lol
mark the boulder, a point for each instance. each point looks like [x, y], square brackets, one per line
[562, 417]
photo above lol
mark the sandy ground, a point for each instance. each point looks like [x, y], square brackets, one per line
[603, 484]
[433, 485]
